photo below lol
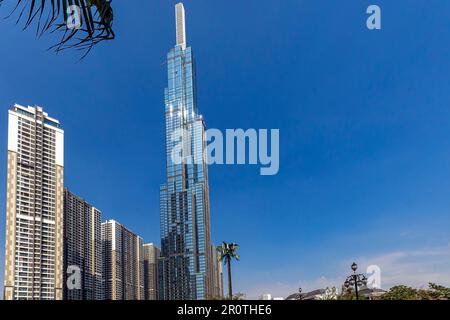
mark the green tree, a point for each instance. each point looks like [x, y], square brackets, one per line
[434, 292]
[439, 292]
[227, 252]
[401, 293]
[349, 294]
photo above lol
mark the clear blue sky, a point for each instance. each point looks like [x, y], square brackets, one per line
[363, 115]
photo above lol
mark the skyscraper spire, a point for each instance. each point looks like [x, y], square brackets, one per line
[180, 25]
[186, 252]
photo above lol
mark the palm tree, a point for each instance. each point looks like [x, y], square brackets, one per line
[227, 252]
[95, 17]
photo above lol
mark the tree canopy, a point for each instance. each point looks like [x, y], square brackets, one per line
[401, 292]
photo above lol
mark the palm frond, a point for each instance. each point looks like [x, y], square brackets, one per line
[95, 21]
[228, 251]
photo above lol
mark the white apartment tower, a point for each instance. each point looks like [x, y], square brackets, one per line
[35, 206]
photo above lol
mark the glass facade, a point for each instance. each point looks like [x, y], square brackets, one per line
[185, 267]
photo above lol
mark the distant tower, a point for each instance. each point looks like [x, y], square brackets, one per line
[123, 262]
[217, 274]
[151, 257]
[83, 247]
[186, 265]
[34, 206]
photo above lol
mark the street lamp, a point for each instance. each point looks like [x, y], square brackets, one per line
[356, 280]
[300, 296]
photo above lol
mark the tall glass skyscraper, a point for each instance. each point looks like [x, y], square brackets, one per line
[186, 264]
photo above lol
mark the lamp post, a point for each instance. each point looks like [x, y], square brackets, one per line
[356, 280]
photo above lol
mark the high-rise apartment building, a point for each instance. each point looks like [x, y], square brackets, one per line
[35, 206]
[186, 262]
[217, 274]
[123, 262]
[151, 256]
[82, 249]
